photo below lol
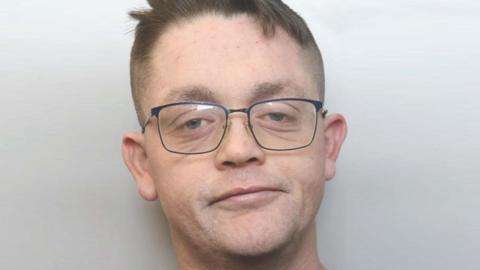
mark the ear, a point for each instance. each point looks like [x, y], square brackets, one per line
[136, 159]
[335, 130]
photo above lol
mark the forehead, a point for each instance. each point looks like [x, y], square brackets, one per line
[228, 59]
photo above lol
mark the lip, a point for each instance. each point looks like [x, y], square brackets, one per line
[246, 197]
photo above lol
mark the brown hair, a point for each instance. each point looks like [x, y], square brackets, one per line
[153, 22]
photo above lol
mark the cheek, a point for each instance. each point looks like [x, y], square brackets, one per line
[305, 174]
[311, 186]
[315, 177]
[180, 186]
[177, 190]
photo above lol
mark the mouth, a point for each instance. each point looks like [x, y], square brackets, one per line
[249, 197]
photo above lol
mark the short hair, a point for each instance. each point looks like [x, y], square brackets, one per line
[153, 22]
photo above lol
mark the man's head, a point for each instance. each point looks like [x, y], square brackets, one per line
[153, 23]
[240, 201]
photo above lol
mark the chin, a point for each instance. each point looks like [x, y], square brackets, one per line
[257, 247]
[257, 235]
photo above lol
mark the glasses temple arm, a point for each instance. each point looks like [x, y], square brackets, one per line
[324, 112]
[144, 126]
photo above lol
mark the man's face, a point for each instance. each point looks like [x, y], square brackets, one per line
[231, 57]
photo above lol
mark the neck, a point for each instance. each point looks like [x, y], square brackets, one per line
[300, 254]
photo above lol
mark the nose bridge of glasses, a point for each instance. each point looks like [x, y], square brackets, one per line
[246, 121]
[243, 110]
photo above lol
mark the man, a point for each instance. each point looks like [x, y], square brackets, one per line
[236, 143]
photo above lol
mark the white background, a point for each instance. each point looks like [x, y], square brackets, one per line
[404, 73]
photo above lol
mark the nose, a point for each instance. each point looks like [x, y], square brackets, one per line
[238, 148]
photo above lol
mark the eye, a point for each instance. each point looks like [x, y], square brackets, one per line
[194, 123]
[277, 117]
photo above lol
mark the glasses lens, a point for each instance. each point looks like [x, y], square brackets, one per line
[284, 124]
[191, 128]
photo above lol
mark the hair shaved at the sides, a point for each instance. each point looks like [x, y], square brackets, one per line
[153, 22]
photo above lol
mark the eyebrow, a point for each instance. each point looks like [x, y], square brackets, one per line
[264, 90]
[267, 90]
[191, 93]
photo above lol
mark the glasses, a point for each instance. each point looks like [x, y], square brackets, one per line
[199, 127]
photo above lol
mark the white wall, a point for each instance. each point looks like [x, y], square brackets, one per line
[405, 74]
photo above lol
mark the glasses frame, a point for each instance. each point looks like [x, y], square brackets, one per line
[155, 111]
